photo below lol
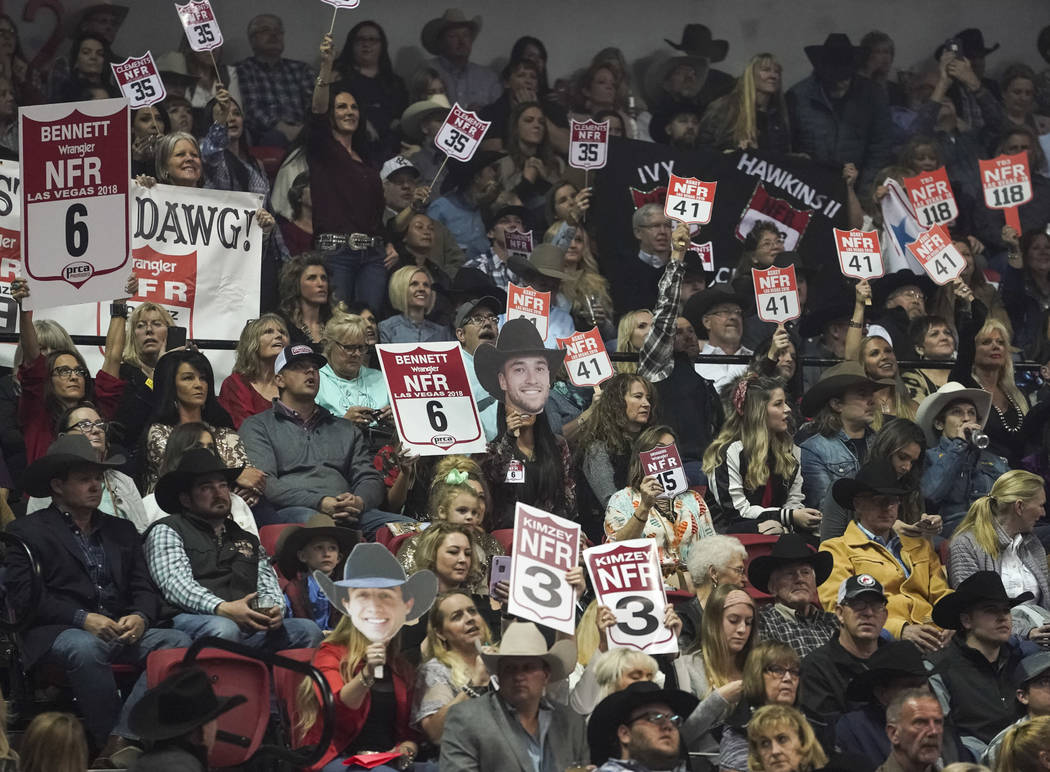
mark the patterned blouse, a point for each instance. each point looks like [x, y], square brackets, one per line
[689, 522]
[227, 443]
[434, 690]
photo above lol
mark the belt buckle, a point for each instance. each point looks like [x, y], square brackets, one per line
[327, 242]
[360, 241]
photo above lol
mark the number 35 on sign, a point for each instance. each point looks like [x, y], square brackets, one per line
[461, 133]
[433, 407]
[776, 294]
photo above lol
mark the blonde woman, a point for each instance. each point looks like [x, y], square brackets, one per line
[1024, 748]
[993, 371]
[631, 333]
[780, 739]
[251, 388]
[584, 290]
[54, 742]
[753, 115]
[996, 535]
[146, 341]
[348, 388]
[412, 294]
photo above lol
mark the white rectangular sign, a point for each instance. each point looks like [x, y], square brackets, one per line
[546, 547]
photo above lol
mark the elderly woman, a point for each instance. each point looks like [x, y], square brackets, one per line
[412, 295]
[251, 389]
[780, 739]
[348, 388]
[712, 562]
[996, 535]
[608, 671]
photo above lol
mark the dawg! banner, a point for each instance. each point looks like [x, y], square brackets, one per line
[805, 200]
[196, 252]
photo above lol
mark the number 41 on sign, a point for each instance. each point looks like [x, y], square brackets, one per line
[586, 359]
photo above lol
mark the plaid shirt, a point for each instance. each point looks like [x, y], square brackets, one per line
[274, 92]
[173, 573]
[656, 359]
[492, 265]
[802, 632]
[98, 569]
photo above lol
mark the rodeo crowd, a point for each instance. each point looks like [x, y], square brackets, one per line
[856, 575]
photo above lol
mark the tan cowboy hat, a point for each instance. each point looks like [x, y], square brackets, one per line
[524, 639]
[833, 383]
[417, 112]
[545, 259]
[452, 17]
[172, 68]
[294, 538]
[950, 392]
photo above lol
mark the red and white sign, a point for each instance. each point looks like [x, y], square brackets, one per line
[461, 133]
[931, 195]
[776, 294]
[10, 249]
[938, 257]
[860, 255]
[527, 303]
[1007, 183]
[430, 395]
[202, 28]
[588, 144]
[690, 200]
[790, 222]
[546, 547]
[665, 464]
[586, 359]
[626, 578]
[343, 3]
[139, 81]
[519, 244]
[706, 253]
[76, 172]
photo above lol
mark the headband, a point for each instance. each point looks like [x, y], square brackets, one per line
[736, 598]
[740, 393]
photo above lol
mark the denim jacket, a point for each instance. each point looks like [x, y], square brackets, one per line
[957, 474]
[825, 460]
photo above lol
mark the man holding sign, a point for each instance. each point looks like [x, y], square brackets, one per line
[542, 272]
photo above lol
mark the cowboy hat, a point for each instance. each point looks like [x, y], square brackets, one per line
[981, 586]
[65, 453]
[656, 75]
[524, 639]
[194, 463]
[172, 69]
[700, 304]
[517, 338]
[697, 41]
[295, 537]
[788, 549]
[816, 319]
[74, 20]
[372, 565]
[614, 710]
[936, 403]
[470, 284]
[893, 659]
[666, 111]
[1042, 43]
[875, 477]
[452, 17]
[460, 173]
[833, 383]
[971, 44]
[178, 705]
[882, 288]
[417, 112]
[834, 59]
[545, 259]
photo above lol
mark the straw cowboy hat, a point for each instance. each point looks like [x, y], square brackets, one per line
[417, 112]
[195, 463]
[178, 705]
[65, 453]
[452, 17]
[519, 337]
[372, 566]
[524, 639]
[935, 403]
[294, 538]
[545, 259]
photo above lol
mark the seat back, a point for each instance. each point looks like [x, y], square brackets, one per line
[270, 534]
[15, 555]
[505, 536]
[286, 687]
[756, 544]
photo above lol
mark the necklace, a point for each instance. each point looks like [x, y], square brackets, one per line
[1002, 417]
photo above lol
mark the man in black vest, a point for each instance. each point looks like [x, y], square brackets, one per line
[97, 605]
[215, 573]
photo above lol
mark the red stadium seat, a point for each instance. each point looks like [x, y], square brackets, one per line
[756, 544]
[397, 541]
[942, 550]
[270, 534]
[286, 686]
[505, 537]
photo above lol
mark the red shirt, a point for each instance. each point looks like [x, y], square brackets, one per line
[241, 400]
[347, 194]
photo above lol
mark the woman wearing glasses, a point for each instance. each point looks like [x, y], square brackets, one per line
[60, 380]
[348, 388]
[120, 496]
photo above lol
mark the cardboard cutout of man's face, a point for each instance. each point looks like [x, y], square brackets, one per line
[378, 612]
[526, 382]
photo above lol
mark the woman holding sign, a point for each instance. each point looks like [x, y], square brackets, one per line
[531, 163]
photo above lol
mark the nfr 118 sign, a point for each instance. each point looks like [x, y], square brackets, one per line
[586, 359]
[665, 464]
[860, 255]
[588, 144]
[936, 254]
[776, 294]
[527, 303]
[546, 547]
[626, 578]
[433, 407]
[461, 133]
[931, 195]
[199, 22]
[689, 200]
[1007, 183]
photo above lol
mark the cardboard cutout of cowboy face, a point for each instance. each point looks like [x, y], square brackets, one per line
[518, 369]
[378, 612]
[526, 383]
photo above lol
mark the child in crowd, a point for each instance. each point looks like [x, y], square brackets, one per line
[316, 545]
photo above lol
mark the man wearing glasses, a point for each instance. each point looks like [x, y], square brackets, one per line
[637, 729]
[717, 314]
[635, 286]
[476, 322]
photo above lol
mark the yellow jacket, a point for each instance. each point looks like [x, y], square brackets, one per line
[910, 598]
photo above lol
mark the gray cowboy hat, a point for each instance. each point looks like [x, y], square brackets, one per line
[452, 17]
[519, 337]
[372, 565]
[417, 112]
[65, 453]
[833, 383]
[934, 404]
[545, 259]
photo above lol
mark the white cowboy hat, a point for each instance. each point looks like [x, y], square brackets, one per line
[950, 392]
[524, 639]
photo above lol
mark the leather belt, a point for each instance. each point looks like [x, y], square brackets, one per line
[329, 242]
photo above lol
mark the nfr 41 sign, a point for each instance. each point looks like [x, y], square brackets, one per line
[936, 254]
[860, 255]
[689, 200]
[586, 359]
[776, 294]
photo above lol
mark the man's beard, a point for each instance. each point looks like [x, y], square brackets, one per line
[654, 759]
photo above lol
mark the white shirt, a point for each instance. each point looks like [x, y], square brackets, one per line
[721, 374]
[654, 260]
[1016, 576]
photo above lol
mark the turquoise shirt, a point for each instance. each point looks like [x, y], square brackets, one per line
[337, 395]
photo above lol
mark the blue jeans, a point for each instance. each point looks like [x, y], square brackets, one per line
[292, 634]
[86, 661]
[369, 522]
[358, 275]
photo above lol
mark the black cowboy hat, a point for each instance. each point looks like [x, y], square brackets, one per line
[73, 21]
[545, 259]
[294, 538]
[65, 453]
[194, 463]
[702, 302]
[981, 586]
[894, 659]
[789, 548]
[875, 477]
[816, 319]
[882, 288]
[178, 705]
[694, 266]
[834, 59]
[472, 284]
[697, 41]
[458, 174]
[613, 711]
[666, 111]
[833, 383]
[971, 44]
[519, 337]
[1042, 43]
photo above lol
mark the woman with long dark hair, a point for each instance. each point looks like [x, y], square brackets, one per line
[304, 298]
[91, 57]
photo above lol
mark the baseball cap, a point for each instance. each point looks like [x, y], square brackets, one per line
[396, 164]
[858, 585]
[466, 309]
[294, 353]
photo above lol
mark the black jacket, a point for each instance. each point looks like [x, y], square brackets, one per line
[826, 672]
